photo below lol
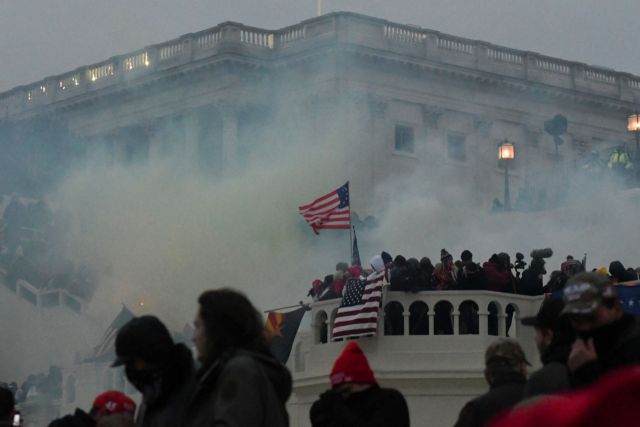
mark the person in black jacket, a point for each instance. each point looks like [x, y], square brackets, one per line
[240, 382]
[355, 399]
[505, 372]
[7, 407]
[162, 371]
[607, 337]
[554, 336]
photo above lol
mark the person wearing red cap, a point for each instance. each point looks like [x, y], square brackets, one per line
[355, 398]
[109, 409]
[113, 408]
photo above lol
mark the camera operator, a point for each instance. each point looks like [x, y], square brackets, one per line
[531, 282]
[355, 398]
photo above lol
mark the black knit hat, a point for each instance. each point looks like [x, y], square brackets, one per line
[466, 255]
[444, 254]
[145, 337]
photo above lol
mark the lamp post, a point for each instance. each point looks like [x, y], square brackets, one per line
[506, 153]
[633, 125]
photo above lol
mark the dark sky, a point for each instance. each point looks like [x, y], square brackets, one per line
[39, 38]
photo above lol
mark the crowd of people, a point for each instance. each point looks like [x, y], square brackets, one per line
[497, 274]
[582, 335]
[33, 242]
[47, 386]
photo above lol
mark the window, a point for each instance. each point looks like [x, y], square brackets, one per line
[455, 147]
[404, 139]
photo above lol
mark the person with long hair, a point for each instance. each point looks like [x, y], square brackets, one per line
[240, 383]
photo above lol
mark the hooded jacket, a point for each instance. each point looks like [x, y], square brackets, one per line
[554, 376]
[165, 405]
[241, 389]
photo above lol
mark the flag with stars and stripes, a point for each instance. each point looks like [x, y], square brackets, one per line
[331, 211]
[629, 295]
[107, 347]
[358, 314]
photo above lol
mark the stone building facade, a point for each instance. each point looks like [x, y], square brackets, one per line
[405, 98]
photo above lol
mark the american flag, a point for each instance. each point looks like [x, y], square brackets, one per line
[331, 211]
[106, 349]
[358, 314]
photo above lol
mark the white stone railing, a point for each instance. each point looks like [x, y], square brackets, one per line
[136, 61]
[464, 313]
[257, 37]
[45, 298]
[602, 76]
[209, 39]
[552, 66]
[342, 27]
[171, 50]
[292, 34]
[455, 44]
[403, 34]
[504, 55]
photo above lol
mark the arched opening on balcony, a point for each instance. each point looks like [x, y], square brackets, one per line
[321, 327]
[393, 319]
[418, 319]
[513, 314]
[469, 319]
[443, 318]
[492, 319]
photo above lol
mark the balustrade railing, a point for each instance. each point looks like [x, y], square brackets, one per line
[208, 40]
[552, 66]
[456, 45]
[503, 55]
[602, 76]
[414, 38]
[403, 34]
[451, 313]
[169, 51]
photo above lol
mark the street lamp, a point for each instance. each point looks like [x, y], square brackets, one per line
[506, 153]
[633, 125]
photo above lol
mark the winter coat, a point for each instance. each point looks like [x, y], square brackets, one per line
[497, 279]
[400, 278]
[241, 389]
[445, 278]
[374, 407]
[531, 282]
[554, 376]
[504, 393]
[78, 419]
[166, 407]
[471, 277]
[617, 344]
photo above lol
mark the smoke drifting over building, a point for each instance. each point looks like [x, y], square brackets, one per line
[183, 164]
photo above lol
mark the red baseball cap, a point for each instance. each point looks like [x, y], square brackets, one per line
[113, 402]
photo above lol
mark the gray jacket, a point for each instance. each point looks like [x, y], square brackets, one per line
[241, 389]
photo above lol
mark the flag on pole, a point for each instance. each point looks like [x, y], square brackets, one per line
[281, 329]
[331, 211]
[355, 253]
[357, 316]
[629, 295]
[106, 349]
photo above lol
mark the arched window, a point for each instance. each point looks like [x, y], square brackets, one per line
[70, 389]
[492, 319]
[418, 319]
[443, 320]
[322, 329]
[513, 314]
[469, 318]
[393, 319]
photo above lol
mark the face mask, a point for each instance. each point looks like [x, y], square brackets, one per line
[141, 379]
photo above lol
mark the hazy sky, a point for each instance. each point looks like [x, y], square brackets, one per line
[39, 38]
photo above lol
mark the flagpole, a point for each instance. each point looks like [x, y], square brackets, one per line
[350, 228]
[300, 304]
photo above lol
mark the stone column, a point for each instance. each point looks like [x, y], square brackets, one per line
[483, 323]
[432, 327]
[378, 141]
[456, 322]
[191, 138]
[229, 138]
[406, 316]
